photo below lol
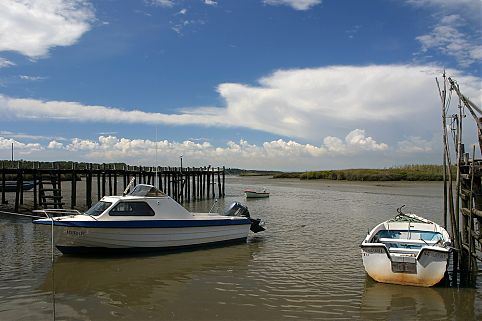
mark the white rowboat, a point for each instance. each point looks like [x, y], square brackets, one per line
[407, 249]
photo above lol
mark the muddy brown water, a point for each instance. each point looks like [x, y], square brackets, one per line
[305, 266]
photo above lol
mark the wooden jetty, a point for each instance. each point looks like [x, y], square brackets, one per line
[462, 202]
[51, 180]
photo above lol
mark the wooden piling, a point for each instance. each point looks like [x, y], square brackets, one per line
[183, 185]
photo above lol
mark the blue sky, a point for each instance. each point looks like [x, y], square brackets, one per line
[262, 84]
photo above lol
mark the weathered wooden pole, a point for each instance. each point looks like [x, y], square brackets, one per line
[208, 182]
[193, 189]
[115, 180]
[98, 183]
[212, 182]
[4, 201]
[109, 173]
[224, 170]
[73, 194]
[88, 187]
[219, 183]
[34, 178]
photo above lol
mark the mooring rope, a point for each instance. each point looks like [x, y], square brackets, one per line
[51, 250]
[20, 214]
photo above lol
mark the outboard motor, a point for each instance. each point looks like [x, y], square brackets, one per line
[238, 209]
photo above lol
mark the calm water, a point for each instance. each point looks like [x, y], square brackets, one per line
[306, 266]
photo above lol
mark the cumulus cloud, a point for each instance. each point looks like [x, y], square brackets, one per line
[280, 152]
[295, 4]
[22, 148]
[307, 103]
[32, 27]
[55, 145]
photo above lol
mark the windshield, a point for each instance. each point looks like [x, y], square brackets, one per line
[98, 208]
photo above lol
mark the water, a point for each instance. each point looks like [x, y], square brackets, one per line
[306, 266]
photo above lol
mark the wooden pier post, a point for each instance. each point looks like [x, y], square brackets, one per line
[4, 201]
[88, 186]
[184, 185]
[73, 193]
[224, 170]
[34, 178]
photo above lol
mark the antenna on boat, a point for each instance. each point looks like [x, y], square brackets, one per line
[128, 187]
[156, 179]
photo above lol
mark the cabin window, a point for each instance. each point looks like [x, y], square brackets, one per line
[132, 209]
[98, 208]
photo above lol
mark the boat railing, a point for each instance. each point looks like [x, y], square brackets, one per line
[56, 212]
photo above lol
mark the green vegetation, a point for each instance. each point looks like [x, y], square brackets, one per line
[250, 172]
[401, 173]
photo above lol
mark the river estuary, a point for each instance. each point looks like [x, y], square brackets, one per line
[305, 266]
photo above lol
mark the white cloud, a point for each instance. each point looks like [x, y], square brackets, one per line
[55, 145]
[134, 151]
[355, 142]
[446, 38]
[6, 63]
[32, 27]
[415, 145]
[10, 134]
[443, 4]
[22, 148]
[32, 78]
[210, 2]
[162, 3]
[300, 103]
[295, 4]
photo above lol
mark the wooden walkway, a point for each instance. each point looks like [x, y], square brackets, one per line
[54, 187]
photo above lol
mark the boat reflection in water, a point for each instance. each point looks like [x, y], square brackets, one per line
[148, 286]
[398, 302]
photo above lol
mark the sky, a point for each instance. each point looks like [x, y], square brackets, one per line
[290, 85]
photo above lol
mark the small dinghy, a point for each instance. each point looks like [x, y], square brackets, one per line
[407, 249]
[146, 219]
[254, 194]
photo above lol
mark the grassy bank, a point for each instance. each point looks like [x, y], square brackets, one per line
[401, 173]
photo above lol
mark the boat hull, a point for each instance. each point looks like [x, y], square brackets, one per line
[250, 194]
[426, 269]
[75, 239]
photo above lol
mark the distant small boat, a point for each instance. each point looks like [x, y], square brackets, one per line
[408, 250]
[254, 194]
[11, 186]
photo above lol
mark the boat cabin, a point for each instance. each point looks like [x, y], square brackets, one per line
[143, 202]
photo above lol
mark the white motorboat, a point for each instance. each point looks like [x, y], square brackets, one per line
[255, 194]
[145, 220]
[407, 249]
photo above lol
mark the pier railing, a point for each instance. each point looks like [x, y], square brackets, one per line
[79, 185]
